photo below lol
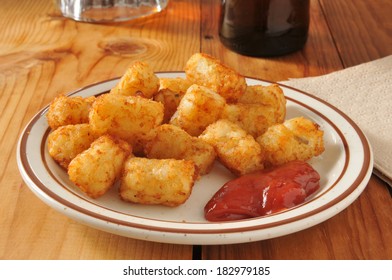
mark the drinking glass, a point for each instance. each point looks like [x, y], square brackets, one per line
[109, 10]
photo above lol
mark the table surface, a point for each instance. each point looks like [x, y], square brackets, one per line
[43, 54]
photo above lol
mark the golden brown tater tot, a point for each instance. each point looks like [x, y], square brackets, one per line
[170, 93]
[65, 110]
[67, 141]
[171, 141]
[296, 139]
[236, 149]
[128, 117]
[205, 70]
[157, 181]
[198, 108]
[96, 169]
[139, 79]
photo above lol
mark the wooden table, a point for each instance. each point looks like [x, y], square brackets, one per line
[43, 54]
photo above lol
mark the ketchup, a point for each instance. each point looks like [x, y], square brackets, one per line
[263, 192]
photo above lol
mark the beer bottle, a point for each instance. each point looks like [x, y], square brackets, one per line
[264, 28]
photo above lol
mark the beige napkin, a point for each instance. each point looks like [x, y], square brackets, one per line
[364, 93]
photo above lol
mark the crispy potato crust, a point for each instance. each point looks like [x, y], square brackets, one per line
[139, 79]
[170, 93]
[171, 141]
[159, 135]
[167, 182]
[271, 97]
[296, 139]
[208, 71]
[253, 118]
[198, 108]
[236, 149]
[96, 169]
[128, 117]
[66, 142]
[64, 110]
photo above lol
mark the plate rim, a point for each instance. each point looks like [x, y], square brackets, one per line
[359, 183]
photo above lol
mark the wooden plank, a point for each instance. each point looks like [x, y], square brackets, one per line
[362, 30]
[318, 57]
[358, 232]
[361, 230]
[43, 54]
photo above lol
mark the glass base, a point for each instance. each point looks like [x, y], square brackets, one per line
[264, 46]
[109, 11]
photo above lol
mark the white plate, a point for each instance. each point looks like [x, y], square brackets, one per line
[345, 168]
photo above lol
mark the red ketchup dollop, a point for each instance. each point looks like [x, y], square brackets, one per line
[263, 192]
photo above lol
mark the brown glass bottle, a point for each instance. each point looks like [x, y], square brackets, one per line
[264, 28]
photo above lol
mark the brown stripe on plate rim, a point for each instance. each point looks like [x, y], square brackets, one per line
[349, 190]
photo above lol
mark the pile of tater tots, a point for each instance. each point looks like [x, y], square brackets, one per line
[157, 136]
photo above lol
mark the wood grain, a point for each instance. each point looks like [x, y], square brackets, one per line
[43, 54]
[318, 57]
[362, 30]
[327, 49]
[362, 231]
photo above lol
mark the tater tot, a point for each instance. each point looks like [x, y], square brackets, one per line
[171, 91]
[96, 169]
[157, 181]
[128, 117]
[66, 142]
[271, 97]
[208, 71]
[139, 79]
[254, 118]
[236, 149]
[296, 139]
[198, 108]
[64, 110]
[170, 141]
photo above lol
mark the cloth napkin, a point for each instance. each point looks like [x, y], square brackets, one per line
[364, 93]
